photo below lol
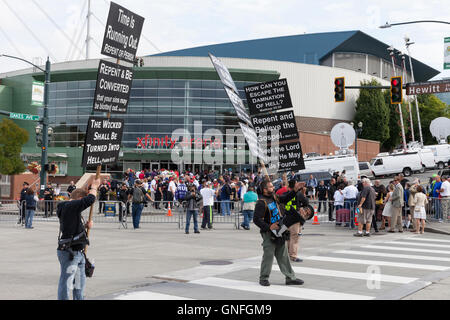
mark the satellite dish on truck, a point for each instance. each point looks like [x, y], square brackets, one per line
[440, 129]
[343, 136]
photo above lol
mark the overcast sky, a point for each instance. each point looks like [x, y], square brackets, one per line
[27, 32]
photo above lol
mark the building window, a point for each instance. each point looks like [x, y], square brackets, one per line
[5, 186]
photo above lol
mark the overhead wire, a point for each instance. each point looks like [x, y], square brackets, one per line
[76, 29]
[12, 43]
[55, 24]
[30, 31]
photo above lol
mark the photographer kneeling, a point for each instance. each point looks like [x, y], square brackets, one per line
[267, 217]
[72, 241]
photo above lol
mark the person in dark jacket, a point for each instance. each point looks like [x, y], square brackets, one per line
[30, 202]
[71, 187]
[267, 217]
[49, 194]
[103, 196]
[331, 190]
[22, 204]
[72, 241]
[192, 198]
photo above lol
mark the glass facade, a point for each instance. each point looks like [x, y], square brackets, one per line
[156, 108]
[365, 63]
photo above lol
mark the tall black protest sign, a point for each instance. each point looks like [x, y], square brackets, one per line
[113, 89]
[102, 142]
[263, 100]
[268, 96]
[122, 33]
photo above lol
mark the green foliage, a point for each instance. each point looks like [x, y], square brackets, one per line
[372, 111]
[12, 138]
[430, 107]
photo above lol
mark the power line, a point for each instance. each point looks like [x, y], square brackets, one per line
[78, 39]
[30, 31]
[75, 31]
[55, 24]
[11, 42]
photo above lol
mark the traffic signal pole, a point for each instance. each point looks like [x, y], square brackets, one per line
[399, 107]
[44, 154]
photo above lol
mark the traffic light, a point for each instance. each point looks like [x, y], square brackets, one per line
[339, 89]
[396, 90]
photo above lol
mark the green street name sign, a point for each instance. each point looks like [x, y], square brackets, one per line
[21, 116]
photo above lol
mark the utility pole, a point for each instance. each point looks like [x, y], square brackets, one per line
[408, 43]
[391, 50]
[409, 102]
[88, 28]
[45, 122]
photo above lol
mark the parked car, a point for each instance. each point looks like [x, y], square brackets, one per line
[364, 170]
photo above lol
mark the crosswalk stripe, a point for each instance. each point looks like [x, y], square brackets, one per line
[148, 295]
[406, 249]
[393, 255]
[287, 291]
[376, 262]
[428, 239]
[346, 274]
[420, 244]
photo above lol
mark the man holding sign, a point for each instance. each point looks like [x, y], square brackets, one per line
[72, 241]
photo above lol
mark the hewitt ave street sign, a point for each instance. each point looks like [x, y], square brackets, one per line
[428, 87]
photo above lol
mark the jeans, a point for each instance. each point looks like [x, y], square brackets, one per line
[29, 218]
[248, 216]
[190, 213]
[73, 277]
[225, 205]
[437, 208]
[136, 211]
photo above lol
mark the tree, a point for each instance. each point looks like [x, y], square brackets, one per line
[372, 111]
[430, 108]
[12, 138]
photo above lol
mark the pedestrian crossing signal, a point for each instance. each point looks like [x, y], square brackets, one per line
[396, 90]
[339, 89]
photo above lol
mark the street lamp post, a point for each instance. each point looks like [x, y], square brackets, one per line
[388, 25]
[44, 122]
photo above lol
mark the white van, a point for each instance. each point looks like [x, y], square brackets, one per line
[441, 154]
[405, 163]
[333, 164]
[364, 170]
[427, 158]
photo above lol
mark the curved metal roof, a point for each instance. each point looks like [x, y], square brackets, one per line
[304, 48]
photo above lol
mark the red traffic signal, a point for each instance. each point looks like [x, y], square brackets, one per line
[339, 89]
[396, 90]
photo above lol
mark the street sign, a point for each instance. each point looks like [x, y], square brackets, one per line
[113, 88]
[268, 96]
[22, 116]
[102, 142]
[429, 87]
[37, 94]
[223, 72]
[279, 126]
[122, 33]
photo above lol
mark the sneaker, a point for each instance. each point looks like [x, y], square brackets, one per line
[366, 234]
[300, 234]
[296, 282]
[358, 234]
[264, 283]
[187, 232]
[196, 231]
[297, 260]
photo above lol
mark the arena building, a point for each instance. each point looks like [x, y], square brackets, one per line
[181, 89]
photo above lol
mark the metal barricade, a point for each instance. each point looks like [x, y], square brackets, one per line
[341, 214]
[438, 209]
[11, 212]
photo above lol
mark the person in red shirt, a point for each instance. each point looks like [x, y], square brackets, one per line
[283, 189]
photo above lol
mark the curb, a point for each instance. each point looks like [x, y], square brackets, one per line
[434, 230]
